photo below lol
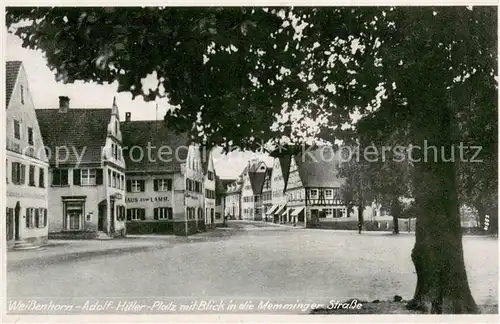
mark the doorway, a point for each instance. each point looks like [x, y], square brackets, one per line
[212, 216]
[17, 222]
[101, 215]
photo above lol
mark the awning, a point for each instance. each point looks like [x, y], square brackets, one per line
[286, 211]
[270, 211]
[279, 210]
[297, 211]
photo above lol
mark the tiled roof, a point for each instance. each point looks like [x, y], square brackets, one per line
[257, 181]
[319, 168]
[156, 134]
[11, 73]
[78, 130]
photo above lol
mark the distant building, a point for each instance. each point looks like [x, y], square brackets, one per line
[220, 193]
[267, 202]
[209, 186]
[26, 165]
[87, 170]
[232, 200]
[253, 179]
[165, 188]
[279, 179]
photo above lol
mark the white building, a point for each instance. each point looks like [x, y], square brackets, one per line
[26, 165]
[87, 170]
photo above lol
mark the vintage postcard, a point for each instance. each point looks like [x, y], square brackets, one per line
[202, 163]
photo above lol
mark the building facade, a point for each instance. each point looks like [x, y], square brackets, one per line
[87, 170]
[209, 189]
[253, 178]
[267, 194]
[26, 165]
[279, 177]
[232, 199]
[165, 187]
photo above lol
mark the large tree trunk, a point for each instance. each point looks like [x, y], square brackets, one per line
[442, 285]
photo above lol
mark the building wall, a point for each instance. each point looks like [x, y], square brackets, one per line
[232, 203]
[209, 184]
[277, 184]
[93, 196]
[21, 108]
[247, 200]
[193, 170]
[28, 197]
[295, 192]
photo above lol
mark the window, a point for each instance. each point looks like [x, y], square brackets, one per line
[18, 173]
[136, 186]
[163, 213]
[328, 213]
[30, 135]
[113, 180]
[31, 181]
[41, 218]
[113, 150]
[120, 213]
[41, 178]
[22, 95]
[162, 184]
[73, 215]
[122, 182]
[136, 214]
[88, 177]
[60, 177]
[109, 178]
[7, 170]
[30, 217]
[17, 129]
[328, 193]
[313, 193]
[210, 175]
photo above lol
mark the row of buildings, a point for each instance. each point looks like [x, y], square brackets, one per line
[83, 172]
[298, 188]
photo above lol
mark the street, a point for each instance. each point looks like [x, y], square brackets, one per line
[245, 261]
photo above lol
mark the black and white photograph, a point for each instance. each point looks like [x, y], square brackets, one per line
[333, 162]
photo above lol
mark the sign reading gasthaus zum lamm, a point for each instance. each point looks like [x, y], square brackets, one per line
[145, 199]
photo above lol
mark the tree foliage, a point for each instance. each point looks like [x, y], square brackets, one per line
[417, 75]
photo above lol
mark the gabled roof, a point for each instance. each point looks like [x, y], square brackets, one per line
[156, 134]
[80, 131]
[319, 168]
[11, 72]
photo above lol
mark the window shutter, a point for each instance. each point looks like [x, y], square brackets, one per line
[44, 217]
[143, 214]
[76, 177]
[155, 184]
[170, 213]
[143, 185]
[28, 215]
[98, 177]
[14, 173]
[37, 217]
[23, 174]
[129, 214]
[129, 185]
[156, 213]
[169, 184]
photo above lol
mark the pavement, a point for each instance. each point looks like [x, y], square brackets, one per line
[244, 262]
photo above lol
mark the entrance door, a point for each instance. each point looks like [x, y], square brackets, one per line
[212, 216]
[17, 216]
[314, 216]
[74, 215]
[100, 217]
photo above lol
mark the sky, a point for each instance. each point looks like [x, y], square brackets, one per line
[46, 91]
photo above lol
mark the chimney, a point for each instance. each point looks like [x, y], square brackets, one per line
[127, 116]
[63, 104]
